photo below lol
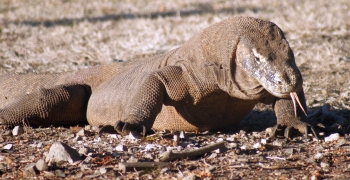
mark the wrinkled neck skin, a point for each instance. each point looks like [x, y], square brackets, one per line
[237, 83]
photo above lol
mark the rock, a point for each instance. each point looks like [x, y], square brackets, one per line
[278, 143]
[48, 175]
[211, 168]
[175, 140]
[132, 159]
[121, 147]
[134, 135]
[318, 156]
[79, 175]
[17, 130]
[60, 173]
[62, 152]
[39, 145]
[182, 135]
[213, 155]
[8, 146]
[257, 145]
[332, 137]
[95, 129]
[232, 145]
[319, 148]
[163, 170]
[41, 165]
[324, 165]
[83, 150]
[7, 133]
[148, 156]
[289, 151]
[103, 170]
[81, 132]
[150, 147]
[30, 170]
[340, 143]
[87, 127]
[230, 139]
[190, 177]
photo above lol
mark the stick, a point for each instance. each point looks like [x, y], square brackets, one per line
[170, 156]
[139, 165]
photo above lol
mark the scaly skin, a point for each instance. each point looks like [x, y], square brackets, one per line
[212, 81]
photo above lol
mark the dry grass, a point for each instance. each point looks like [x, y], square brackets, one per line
[52, 35]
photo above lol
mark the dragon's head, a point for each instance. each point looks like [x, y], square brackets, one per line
[264, 54]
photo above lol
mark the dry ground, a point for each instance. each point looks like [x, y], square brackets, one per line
[63, 35]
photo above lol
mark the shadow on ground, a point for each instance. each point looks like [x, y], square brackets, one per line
[201, 9]
[261, 120]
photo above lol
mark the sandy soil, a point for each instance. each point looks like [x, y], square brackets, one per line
[56, 36]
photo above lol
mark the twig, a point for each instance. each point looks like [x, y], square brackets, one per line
[279, 158]
[139, 165]
[170, 156]
[239, 166]
[280, 167]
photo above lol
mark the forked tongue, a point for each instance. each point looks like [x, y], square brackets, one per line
[295, 97]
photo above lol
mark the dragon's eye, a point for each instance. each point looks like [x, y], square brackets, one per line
[257, 59]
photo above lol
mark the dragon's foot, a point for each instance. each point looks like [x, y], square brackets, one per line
[302, 127]
[124, 128]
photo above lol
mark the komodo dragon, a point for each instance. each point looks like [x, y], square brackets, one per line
[214, 80]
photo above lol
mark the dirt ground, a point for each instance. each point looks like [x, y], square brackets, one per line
[62, 35]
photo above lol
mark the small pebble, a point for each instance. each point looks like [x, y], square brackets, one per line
[121, 147]
[182, 135]
[289, 151]
[278, 142]
[41, 165]
[87, 127]
[134, 135]
[95, 129]
[30, 170]
[148, 156]
[39, 145]
[81, 132]
[48, 175]
[163, 170]
[324, 165]
[189, 177]
[62, 152]
[257, 145]
[332, 137]
[17, 130]
[59, 173]
[318, 156]
[150, 147]
[83, 150]
[132, 159]
[8, 146]
[212, 156]
[103, 170]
